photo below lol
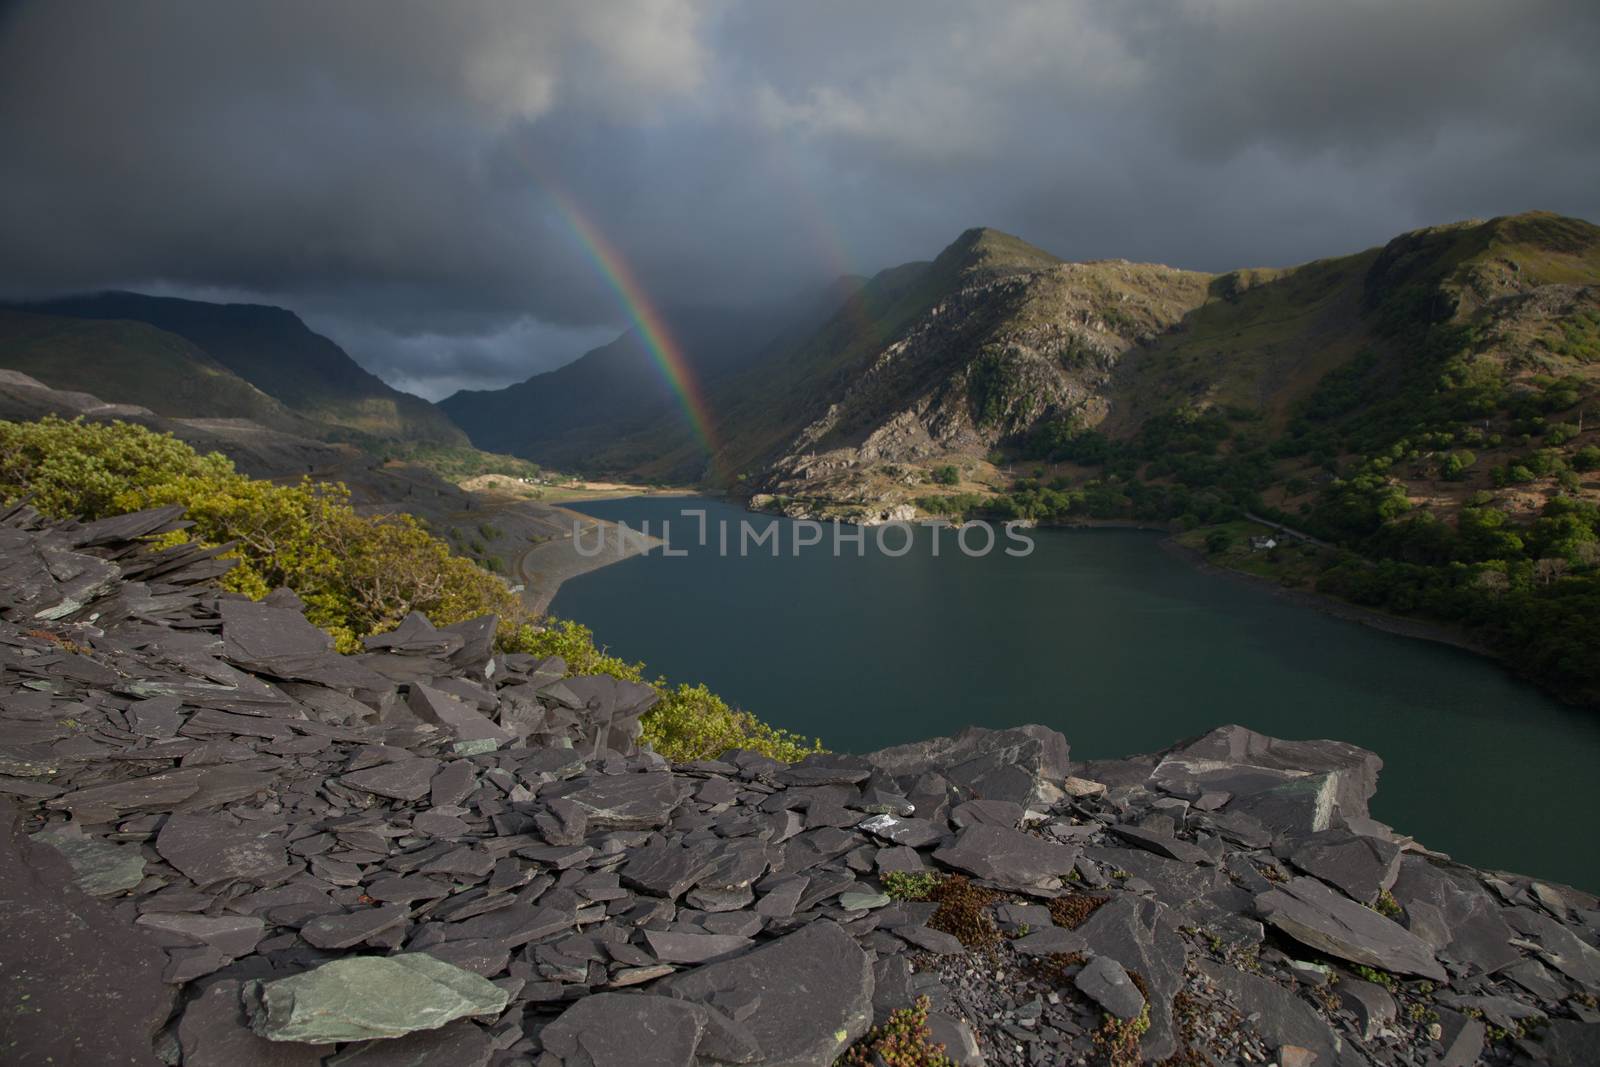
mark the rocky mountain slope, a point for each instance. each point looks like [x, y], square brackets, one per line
[221, 842]
[268, 347]
[138, 364]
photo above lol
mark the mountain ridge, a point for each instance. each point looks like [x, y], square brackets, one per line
[274, 350]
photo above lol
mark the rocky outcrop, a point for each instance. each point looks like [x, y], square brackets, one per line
[226, 844]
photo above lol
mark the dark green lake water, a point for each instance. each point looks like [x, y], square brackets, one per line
[1117, 643]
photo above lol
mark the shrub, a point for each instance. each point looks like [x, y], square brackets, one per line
[904, 1040]
[79, 469]
[692, 723]
[357, 575]
[688, 723]
[910, 885]
[946, 475]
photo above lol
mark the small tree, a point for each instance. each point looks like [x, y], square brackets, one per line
[1218, 541]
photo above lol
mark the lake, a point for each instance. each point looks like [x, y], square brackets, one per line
[1108, 637]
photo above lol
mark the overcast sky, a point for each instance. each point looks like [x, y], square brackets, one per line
[391, 170]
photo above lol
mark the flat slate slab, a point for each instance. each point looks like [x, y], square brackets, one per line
[1008, 857]
[349, 930]
[404, 779]
[214, 1033]
[626, 1030]
[213, 848]
[628, 801]
[1359, 865]
[1320, 918]
[814, 989]
[1104, 981]
[100, 867]
[363, 997]
[83, 965]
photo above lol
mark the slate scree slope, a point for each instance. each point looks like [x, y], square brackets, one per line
[223, 843]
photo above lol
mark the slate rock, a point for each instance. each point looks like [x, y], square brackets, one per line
[626, 1030]
[1289, 785]
[960, 1043]
[913, 833]
[1023, 765]
[458, 1044]
[231, 935]
[1461, 1038]
[1281, 1017]
[814, 988]
[1162, 844]
[936, 941]
[358, 998]
[403, 779]
[1049, 940]
[1562, 949]
[1104, 981]
[213, 848]
[462, 722]
[1371, 1004]
[82, 965]
[1175, 882]
[1316, 916]
[1008, 857]
[671, 947]
[1361, 866]
[628, 801]
[862, 901]
[100, 868]
[1565, 1043]
[1449, 903]
[349, 930]
[1142, 935]
[280, 642]
[667, 870]
[162, 791]
[214, 1033]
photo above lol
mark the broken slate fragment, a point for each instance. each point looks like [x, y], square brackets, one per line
[101, 868]
[347, 931]
[362, 997]
[692, 948]
[1315, 915]
[230, 935]
[1105, 982]
[404, 779]
[213, 1033]
[212, 848]
[628, 801]
[1361, 866]
[625, 1030]
[1008, 857]
[464, 723]
[1173, 848]
[814, 988]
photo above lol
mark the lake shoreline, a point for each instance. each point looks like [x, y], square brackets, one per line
[1421, 630]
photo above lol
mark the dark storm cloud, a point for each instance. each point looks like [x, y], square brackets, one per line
[384, 167]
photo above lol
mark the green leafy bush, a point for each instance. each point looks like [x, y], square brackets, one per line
[357, 575]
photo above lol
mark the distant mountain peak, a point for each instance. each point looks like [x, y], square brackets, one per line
[986, 253]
